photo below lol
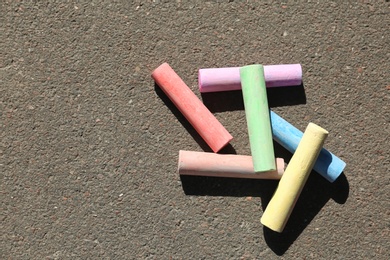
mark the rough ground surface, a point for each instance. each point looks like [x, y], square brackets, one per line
[89, 147]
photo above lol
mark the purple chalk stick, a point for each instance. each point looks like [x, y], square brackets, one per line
[226, 79]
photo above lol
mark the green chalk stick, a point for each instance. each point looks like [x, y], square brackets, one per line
[257, 117]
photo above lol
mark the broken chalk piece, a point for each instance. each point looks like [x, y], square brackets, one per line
[204, 122]
[327, 165]
[227, 79]
[294, 178]
[257, 117]
[224, 165]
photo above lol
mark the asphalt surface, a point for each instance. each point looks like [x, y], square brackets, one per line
[89, 145]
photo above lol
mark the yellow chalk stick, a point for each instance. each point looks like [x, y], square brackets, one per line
[294, 178]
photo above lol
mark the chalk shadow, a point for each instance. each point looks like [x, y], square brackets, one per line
[228, 149]
[315, 194]
[233, 100]
[286, 96]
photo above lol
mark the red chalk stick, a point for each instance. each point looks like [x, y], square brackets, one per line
[204, 122]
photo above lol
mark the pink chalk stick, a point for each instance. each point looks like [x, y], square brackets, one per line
[224, 165]
[226, 79]
[204, 122]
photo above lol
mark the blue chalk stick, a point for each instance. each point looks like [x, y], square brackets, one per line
[328, 165]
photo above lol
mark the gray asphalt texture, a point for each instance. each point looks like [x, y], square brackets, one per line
[89, 145]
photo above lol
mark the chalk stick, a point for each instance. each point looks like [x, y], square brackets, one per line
[327, 165]
[204, 122]
[294, 178]
[227, 79]
[224, 165]
[257, 117]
